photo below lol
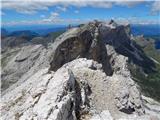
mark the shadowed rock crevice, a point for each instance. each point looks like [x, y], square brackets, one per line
[128, 111]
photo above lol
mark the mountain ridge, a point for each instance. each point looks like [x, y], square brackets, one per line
[85, 73]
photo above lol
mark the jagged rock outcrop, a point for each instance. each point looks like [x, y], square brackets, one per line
[84, 75]
[120, 38]
[78, 90]
[89, 41]
[80, 42]
[47, 95]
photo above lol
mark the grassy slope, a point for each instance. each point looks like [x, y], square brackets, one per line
[150, 84]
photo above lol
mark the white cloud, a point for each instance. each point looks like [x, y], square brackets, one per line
[54, 17]
[46, 21]
[60, 8]
[54, 14]
[76, 11]
[156, 7]
[32, 6]
[136, 20]
[102, 4]
[25, 6]
[58, 20]
[129, 3]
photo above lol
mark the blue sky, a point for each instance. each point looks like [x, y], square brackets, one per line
[78, 11]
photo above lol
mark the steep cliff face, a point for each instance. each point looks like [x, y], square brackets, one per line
[85, 75]
[80, 42]
[90, 41]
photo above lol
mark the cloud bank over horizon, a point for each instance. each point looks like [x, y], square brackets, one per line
[59, 11]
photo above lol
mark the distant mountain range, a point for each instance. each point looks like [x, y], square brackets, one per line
[44, 30]
[24, 33]
[145, 30]
[149, 31]
[18, 38]
[4, 32]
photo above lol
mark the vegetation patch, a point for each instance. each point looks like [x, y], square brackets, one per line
[150, 84]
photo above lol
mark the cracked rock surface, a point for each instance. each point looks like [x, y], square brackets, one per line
[78, 90]
[83, 75]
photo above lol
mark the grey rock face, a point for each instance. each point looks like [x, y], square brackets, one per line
[88, 41]
[78, 90]
[26, 62]
[44, 95]
[80, 42]
[120, 39]
[84, 75]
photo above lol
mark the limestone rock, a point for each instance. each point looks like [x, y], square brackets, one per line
[22, 63]
[104, 115]
[88, 41]
[78, 90]
[84, 75]
[45, 96]
[120, 39]
[80, 42]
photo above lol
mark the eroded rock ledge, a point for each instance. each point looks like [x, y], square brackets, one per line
[78, 90]
[83, 75]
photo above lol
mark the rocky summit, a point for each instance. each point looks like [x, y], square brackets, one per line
[85, 74]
